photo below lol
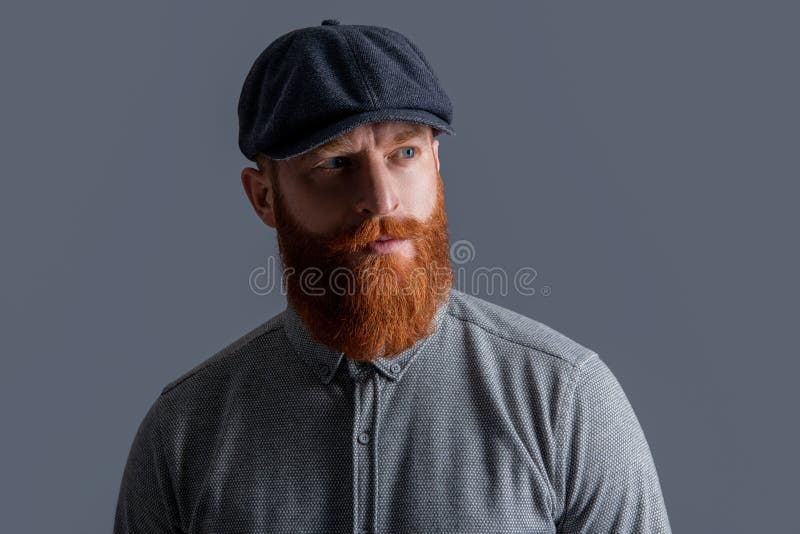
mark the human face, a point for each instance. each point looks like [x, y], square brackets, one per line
[378, 170]
[376, 316]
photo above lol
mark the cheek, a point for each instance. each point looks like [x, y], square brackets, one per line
[320, 217]
[315, 212]
[423, 198]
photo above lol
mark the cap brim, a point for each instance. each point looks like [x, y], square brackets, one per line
[343, 126]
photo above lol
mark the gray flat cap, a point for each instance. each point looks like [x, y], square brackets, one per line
[314, 84]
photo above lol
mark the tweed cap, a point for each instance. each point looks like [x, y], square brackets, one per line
[314, 84]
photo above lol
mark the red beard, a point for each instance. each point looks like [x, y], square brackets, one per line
[366, 305]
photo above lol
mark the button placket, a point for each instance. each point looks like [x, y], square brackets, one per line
[363, 451]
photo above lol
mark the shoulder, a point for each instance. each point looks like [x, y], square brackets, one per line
[235, 354]
[503, 326]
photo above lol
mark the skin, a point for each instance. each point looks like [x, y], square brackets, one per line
[374, 177]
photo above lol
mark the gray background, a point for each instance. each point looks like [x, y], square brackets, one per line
[641, 157]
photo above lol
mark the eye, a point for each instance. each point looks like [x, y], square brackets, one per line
[405, 150]
[334, 160]
[335, 163]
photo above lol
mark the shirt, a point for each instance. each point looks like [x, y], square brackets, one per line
[493, 423]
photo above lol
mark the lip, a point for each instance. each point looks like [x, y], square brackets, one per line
[384, 246]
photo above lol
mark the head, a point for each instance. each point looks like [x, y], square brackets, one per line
[330, 205]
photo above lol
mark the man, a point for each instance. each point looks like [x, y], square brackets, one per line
[381, 399]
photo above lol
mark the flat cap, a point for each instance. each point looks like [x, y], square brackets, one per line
[314, 84]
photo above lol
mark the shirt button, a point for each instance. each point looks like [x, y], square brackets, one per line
[324, 369]
[395, 368]
[363, 438]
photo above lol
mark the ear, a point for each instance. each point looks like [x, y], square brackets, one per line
[260, 192]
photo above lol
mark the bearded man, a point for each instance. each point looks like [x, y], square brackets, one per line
[373, 236]
[381, 399]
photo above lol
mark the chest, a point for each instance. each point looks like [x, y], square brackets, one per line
[373, 457]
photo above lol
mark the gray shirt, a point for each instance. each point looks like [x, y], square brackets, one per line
[495, 423]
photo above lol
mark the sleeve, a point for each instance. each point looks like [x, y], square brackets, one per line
[146, 502]
[609, 477]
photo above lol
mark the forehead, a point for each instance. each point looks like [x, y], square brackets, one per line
[379, 133]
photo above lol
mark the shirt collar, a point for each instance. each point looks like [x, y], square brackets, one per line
[324, 361]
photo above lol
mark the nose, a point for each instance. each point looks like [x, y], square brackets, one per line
[376, 196]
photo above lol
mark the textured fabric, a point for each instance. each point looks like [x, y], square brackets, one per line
[495, 423]
[314, 84]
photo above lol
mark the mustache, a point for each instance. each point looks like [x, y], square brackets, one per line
[371, 229]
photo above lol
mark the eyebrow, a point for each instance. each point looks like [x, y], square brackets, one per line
[344, 144]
